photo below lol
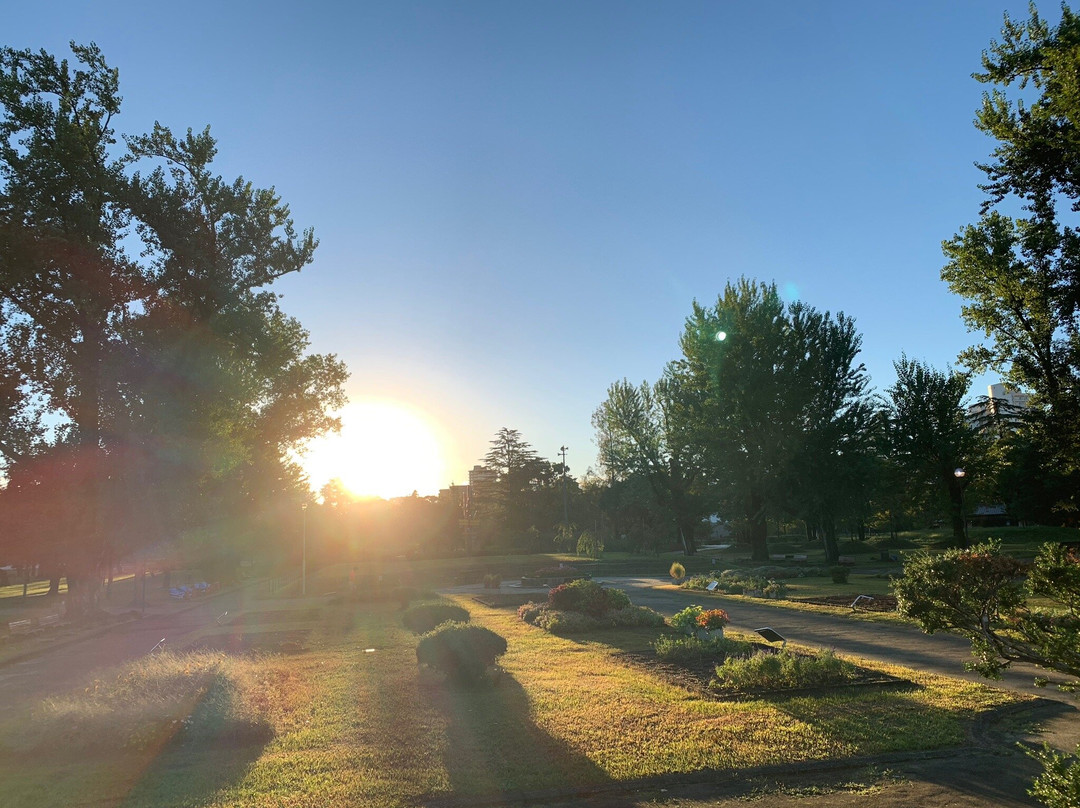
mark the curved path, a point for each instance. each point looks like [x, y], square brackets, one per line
[896, 643]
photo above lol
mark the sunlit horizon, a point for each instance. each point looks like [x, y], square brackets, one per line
[385, 449]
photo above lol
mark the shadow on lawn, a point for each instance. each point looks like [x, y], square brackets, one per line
[213, 752]
[494, 748]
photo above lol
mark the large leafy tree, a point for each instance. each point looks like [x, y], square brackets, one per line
[643, 432]
[782, 417]
[233, 392]
[930, 436]
[1020, 276]
[66, 286]
[176, 387]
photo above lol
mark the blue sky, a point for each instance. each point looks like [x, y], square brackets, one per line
[517, 202]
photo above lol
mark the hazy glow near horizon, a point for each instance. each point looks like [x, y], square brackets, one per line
[384, 449]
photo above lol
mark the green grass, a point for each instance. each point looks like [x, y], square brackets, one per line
[342, 725]
[33, 589]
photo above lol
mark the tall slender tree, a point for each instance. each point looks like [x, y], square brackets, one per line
[645, 431]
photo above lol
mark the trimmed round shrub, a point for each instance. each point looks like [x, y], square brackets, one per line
[423, 617]
[839, 574]
[461, 651]
[677, 571]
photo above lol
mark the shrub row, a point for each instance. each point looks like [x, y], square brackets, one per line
[691, 651]
[774, 671]
[734, 582]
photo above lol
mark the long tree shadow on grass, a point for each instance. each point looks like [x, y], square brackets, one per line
[494, 749]
[211, 752]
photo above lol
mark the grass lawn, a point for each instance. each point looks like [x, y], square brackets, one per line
[340, 724]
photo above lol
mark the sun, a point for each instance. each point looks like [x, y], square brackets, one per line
[384, 449]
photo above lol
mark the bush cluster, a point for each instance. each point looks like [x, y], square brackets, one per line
[775, 671]
[581, 606]
[461, 651]
[423, 617]
[587, 597]
[839, 574]
[564, 623]
[690, 651]
[736, 582]
[686, 620]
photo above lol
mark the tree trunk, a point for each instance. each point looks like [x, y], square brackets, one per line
[956, 496]
[686, 534]
[759, 544]
[832, 549]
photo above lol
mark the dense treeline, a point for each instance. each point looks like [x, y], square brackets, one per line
[151, 389]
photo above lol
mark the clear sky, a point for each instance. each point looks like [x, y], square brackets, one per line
[517, 202]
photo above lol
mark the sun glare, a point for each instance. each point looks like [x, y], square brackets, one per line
[385, 449]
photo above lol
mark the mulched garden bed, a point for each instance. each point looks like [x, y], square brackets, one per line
[696, 678]
[880, 603]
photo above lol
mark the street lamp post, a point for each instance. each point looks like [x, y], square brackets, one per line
[961, 475]
[565, 505]
[303, 557]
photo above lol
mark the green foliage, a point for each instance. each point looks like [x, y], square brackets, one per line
[839, 574]
[423, 617]
[463, 652]
[686, 620]
[1017, 276]
[566, 623]
[691, 651]
[677, 571]
[1059, 784]
[565, 537]
[590, 545]
[982, 594]
[636, 616]
[587, 597]
[528, 612]
[930, 436]
[783, 670]
[642, 434]
[712, 619]
[781, 417]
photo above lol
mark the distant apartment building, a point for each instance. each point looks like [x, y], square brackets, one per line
[1002, 407]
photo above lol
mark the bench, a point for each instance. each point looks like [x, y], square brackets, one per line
[21, 626]
[49, 620]
[847, 561]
